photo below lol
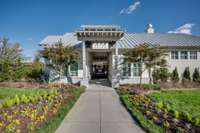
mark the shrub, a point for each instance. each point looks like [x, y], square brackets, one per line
[176, 114]
[196, 75]
[188, 116]
[17, 100]
[156, 75]
[164, 74]
[159, 105]
[175, 75]
[24, 99]
[8, 102]
[197, 121]
[161, 74]
[186, 75]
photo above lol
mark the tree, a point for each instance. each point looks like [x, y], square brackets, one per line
[175, 75]
[196, 75]
[61, 56]
[11, 66]
[186, 75]
[148, 55]
[34, 69]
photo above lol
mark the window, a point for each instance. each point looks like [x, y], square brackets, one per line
[74, 69]
[184, 55]
[107, 29]
[99, 29]
[174, 55]
[126, 69]
[193, 55]
[136, 69]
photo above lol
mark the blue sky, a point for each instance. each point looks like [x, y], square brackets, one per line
[29, 21]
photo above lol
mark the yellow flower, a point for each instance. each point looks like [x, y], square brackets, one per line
[18, 131]
[1, 124]
[17, 122]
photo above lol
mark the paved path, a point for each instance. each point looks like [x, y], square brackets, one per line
[98, 111]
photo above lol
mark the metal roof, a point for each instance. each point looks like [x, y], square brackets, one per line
[68, 39]
[130, 40]
[163, 39]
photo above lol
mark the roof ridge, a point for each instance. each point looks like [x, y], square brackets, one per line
[162, 33]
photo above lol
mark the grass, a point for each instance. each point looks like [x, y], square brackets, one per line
[182, 101]
[11, 92]
[148, 125]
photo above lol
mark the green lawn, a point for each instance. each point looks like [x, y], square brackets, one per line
[180, 100]
[11, 92]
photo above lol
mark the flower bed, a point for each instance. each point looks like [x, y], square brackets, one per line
[27, 113]
[159, 114]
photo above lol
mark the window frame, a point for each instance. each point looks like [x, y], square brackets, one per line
[126, 70]
[136, 71]
[196, 55]
[174, 56]
[185, 57]
[74, 72]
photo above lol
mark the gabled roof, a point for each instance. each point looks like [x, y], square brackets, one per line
[130, 40]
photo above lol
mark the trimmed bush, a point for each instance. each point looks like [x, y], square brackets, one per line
[175, 75]
[196, 75]
[186, 75]
[161, 74]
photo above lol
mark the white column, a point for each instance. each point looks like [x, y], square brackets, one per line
[132, 70]
[84, 59]
[84, 81]
[116, 71]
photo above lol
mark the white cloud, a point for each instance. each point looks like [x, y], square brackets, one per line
[184, 29]
[131, 8]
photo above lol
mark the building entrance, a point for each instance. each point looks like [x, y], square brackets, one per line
[99, 65]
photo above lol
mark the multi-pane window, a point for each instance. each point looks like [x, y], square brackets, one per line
[136, 69]
[74, 69]
[174, 55]
[193, 55]
[184, 55]
[126, 69]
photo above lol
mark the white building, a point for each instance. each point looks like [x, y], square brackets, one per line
[101, 49]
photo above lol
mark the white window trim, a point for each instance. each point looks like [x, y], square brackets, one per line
[181, 55]
[193, 56]
[178, 55]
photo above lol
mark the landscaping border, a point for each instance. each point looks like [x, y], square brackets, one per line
[54, 123]
[146, 124]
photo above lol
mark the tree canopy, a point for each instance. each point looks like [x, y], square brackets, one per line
[60, 56]
[148, 55]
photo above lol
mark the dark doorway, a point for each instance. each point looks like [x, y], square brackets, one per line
[99, 66]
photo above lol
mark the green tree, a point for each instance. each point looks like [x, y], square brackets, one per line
[175, 75]
[34, 69]
[151, 56]
[10, 60]
[61, 56]
[186, 75]
[196, 75]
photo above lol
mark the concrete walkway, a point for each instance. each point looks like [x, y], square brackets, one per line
[98, 111]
